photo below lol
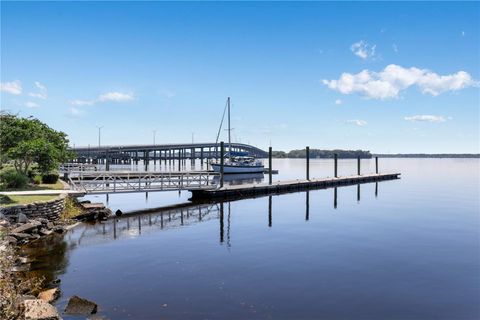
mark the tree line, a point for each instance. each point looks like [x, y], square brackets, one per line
[318, 153]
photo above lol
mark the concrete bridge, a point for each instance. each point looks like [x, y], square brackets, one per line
[126, 154]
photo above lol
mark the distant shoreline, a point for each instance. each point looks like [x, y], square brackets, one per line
[425, 155]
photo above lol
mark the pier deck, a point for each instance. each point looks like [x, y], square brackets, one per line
[249, 190]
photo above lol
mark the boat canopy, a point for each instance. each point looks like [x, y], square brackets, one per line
[237, 154]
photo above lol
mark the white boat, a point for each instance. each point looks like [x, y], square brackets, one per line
[236, 163]
[239, 165]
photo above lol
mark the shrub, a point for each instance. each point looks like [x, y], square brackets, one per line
[50, 178]
[37, 179]
[11, 179]
[71, 210]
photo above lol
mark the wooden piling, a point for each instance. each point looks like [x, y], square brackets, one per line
[376, 165]
[358, 165]
[222, 151]
[335, 161]
[307, 151]
[270, 165]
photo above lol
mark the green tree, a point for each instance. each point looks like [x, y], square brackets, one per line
[26, 141]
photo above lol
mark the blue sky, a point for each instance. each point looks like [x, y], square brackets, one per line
[410, 72]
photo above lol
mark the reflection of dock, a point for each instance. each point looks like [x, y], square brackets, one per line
[252, 190]
[134, 225]
[138, 223]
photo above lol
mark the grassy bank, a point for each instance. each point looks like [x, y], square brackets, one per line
[11, 200]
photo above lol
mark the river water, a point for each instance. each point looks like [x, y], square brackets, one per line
[401, 249]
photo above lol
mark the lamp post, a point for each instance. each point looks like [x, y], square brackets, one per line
[99, 134]
[154, 134]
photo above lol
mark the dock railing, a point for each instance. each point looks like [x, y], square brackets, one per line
[131, 181]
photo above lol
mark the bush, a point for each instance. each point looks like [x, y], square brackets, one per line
[50, 178]
[37, 179]
[11, 179]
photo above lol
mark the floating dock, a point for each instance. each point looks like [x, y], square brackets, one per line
[252, 190]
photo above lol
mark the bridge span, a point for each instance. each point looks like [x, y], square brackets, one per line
[127, 154]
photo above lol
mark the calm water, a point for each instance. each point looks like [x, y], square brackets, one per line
[405, 249]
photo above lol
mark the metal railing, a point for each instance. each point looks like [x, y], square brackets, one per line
[134, 181]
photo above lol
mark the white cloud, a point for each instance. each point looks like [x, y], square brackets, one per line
[357, 122]
[42, 91]
[426, 118]
[388, 83]
[363, 50]
[115, 96]
[395, 48]
[30, 104]
[82, 102]
[14, 87]
[106, 97]
[338, 102]
[75, 112]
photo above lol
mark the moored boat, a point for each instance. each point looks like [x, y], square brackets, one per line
[236, 163]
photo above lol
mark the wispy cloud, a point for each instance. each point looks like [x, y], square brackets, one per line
[82, 102]
[116, 97]
[105, 97]
[363, 50]
[395, 47]
[389, 82]
[338, 102]
[13, 87]
[426, 118]
[357, 122]
[74, 112]
[31, 104]
[42, 91]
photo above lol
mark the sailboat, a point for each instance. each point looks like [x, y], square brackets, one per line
[236, 162]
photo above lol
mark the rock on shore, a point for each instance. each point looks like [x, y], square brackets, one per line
[77, 305]
[37, 309]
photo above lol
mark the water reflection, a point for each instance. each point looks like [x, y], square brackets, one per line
[48, 257]
[238, 179]
[307, 205]
[270, 211]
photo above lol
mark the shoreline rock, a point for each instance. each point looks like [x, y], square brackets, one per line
[77, 305]
[37, 309]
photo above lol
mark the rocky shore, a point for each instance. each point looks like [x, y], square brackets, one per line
[31, 298]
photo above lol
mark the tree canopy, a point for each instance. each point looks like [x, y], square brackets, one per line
[26, 141]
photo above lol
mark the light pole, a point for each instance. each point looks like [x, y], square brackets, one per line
[193, 136]
[154, 134]
[99, 133]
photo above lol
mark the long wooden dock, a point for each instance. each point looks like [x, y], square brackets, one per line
[252, 190]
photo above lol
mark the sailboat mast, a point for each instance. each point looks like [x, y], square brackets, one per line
[229, 130]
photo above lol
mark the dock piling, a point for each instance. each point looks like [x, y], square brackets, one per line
[269, 165]
[307, 151]
[376, 165]
[222, 151]
[335, 162]
[358, 165]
